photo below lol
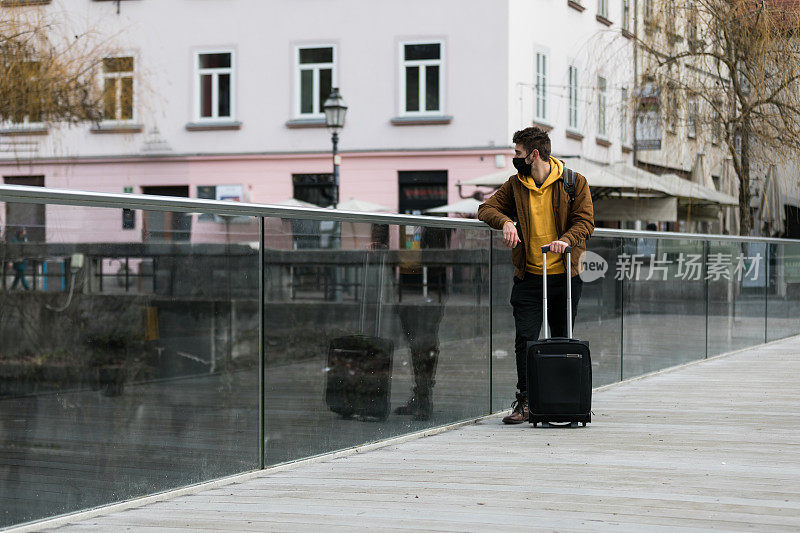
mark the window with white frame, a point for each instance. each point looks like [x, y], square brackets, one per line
[573, 97]
[623, 116]
[316, 71]
[602, 8]
[691, 122]
[421, 78]
[626, 15]
[118, 88]
[214, 90]
[602, 86]
[541, 86]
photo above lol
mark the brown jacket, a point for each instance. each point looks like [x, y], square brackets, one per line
[574, 223]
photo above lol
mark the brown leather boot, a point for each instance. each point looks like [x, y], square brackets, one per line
[520, 410]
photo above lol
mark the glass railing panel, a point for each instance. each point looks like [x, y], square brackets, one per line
[356, 324]
[598, 320]
[664, 303]
[737, 277]
[783, 296]
[129, 358]
[504, 368]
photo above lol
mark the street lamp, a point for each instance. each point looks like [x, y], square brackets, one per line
[335, 111]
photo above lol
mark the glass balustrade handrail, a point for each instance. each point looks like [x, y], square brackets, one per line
[21, 193]
[607, 232]
[28, 194]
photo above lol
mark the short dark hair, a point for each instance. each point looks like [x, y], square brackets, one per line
[534, 138]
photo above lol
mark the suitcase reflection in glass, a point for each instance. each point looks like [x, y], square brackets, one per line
[359, 371]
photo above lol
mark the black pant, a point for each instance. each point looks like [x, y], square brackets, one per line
[526, 299]
[421, 326]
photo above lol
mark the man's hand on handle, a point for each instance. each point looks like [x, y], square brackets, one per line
[510, 236]
[558, 247]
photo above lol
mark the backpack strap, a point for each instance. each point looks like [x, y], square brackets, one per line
[569, 183]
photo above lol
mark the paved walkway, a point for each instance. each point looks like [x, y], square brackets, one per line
[711, 446]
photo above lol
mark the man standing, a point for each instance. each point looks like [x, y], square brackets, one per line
[546, 212]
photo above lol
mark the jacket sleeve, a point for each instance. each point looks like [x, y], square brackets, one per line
[580, 220]
[498, 208]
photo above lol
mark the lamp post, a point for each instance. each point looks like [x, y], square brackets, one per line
[335, 111]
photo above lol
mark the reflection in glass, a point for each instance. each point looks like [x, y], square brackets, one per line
[412, 307]
[783, 309]
[737, 283]
[664, 303]
[130, 367]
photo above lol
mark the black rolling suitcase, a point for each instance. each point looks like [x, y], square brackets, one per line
[359, 374]
[559, 370]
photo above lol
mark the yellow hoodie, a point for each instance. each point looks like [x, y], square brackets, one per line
[542, 221]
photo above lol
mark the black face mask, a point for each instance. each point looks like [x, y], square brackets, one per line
[522, 167]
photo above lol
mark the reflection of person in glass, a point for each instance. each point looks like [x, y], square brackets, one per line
[547, 214]
[19, 266]
[422, 293]
[423, 286]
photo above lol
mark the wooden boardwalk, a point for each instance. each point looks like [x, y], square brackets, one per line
[710, 446]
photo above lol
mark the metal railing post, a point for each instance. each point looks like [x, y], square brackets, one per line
[706, 248]
[622, 318]
[262, 420]
[491, 319]
[766, 291]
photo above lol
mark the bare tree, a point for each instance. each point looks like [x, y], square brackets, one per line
[733, 66]
[48, 71]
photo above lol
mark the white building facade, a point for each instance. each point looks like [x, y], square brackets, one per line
[229, 93]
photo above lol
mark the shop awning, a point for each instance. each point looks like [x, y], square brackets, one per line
[672, 185]
[624, 209]
[598, 175]
[625, 180]
[468, 206]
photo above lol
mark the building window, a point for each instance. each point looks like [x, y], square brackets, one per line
[671, 110]
[422, 86]
[27, 110]
[541, 86]
[716, 126]
[317, 189]
[626, 15]
[420, 190]
[691, 122]
[602, 8]
[118, 88]
[214, 86]
[648, 11]
[573, 97]
[601, 106]
[623, 116]
[670, 14]
[316, 71]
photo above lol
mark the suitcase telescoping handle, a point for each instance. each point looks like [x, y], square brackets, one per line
[568, 250]
[363, 312]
